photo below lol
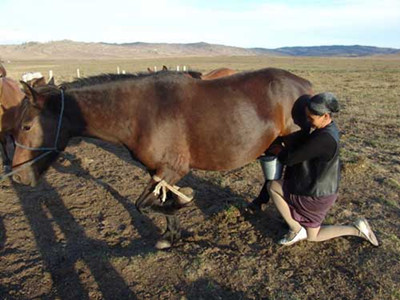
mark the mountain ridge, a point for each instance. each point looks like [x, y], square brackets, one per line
[68, 49]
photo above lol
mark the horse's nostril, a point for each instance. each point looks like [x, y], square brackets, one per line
[17, 178]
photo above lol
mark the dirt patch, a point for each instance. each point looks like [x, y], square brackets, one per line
[78, 234]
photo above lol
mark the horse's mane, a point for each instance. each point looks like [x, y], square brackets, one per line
[194, 74]
[109, 77]
[99, 79]
[52, 90]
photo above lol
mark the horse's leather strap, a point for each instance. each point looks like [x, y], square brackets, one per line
[162, 186]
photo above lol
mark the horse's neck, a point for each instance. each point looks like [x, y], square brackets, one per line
[10, 97]
[10, 93]
[97, 117]
[7, 118]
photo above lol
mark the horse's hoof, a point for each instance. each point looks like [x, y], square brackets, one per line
[187, 191]
[163, 244]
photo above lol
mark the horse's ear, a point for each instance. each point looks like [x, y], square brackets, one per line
[51, 81]
[150, 70]
[38, 82]
[32, 95]
[164, 68]
[3, 71]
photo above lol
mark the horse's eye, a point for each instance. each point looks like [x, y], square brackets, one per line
[26, 127]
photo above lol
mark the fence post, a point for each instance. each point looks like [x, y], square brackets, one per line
[177, 68]
[118, 70]
[50, 74]
[78, 73]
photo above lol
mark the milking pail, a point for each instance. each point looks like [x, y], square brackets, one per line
[271, 167]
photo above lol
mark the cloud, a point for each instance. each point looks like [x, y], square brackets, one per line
[258, 23]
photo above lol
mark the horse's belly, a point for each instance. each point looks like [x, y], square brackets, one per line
[231, 152]
[229, 143]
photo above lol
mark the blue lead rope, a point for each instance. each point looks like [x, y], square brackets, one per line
[24, 166]
[47, 149]
[55, 148]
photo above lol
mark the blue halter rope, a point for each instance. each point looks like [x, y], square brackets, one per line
[55, 148]
[47, 149]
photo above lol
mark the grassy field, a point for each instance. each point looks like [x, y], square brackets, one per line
[78, 235]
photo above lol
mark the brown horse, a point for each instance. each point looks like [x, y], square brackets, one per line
[169, 122]
[218, 73]
[35, 79]
[214, 74]
[10, 97]
[3, 71]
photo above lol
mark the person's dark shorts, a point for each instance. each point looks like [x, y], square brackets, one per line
[307, 210]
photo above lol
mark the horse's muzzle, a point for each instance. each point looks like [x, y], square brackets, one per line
[26, 178]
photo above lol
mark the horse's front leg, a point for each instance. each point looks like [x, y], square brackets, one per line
[172, 233]
[156, 201]
[4, 153]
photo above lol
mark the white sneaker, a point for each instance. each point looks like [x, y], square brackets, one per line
[293, 237]
[366, 231]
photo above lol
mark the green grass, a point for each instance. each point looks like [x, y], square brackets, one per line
[393, 183]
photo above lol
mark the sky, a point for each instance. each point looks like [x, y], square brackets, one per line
[246, 23]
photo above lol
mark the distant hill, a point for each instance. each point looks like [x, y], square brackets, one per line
[67, 49]
[355, 50]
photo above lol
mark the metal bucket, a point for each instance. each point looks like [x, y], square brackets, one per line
[271, 167]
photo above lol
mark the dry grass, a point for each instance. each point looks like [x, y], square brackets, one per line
[78, 235]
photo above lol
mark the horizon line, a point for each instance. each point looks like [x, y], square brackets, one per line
[192, 43]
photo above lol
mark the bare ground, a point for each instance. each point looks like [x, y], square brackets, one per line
[78, 235]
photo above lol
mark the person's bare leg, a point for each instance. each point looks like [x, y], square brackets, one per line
[276, 193]
[360, 228]
[327, 232]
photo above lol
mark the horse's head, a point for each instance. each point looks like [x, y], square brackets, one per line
[36, 79]
[41, 132]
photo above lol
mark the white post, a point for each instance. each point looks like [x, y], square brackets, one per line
[155, 68]
[118, 70]
[177, 68]
[123, 72]
[184, 68]
[78, 73]
[50, 74]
